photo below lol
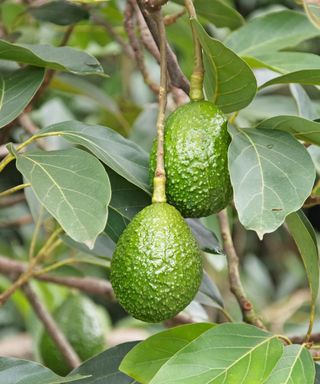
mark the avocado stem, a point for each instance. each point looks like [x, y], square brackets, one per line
[159, 182]
[196, 81]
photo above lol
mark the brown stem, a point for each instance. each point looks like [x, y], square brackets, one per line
[153, 5]
[248, 312]
[137, 49]
[87, 284]
[178, 79]
[159, 181]
[28, 125]
[52, 328]
[171, 19]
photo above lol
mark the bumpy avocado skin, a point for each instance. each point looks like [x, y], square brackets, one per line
[156, 268]
[196, 146]
[81, 322]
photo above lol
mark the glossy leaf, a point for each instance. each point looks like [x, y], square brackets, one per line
[17, 89]
[223, 353]
[299, 127]
[229, 83]
[207, 240]
[58, 58]
[272, 174]
[118, 153]
[59, 12]
[103, 368]
[307, 77]
[295, 367]
[16, 371]
[305, 238]
[145, 360]
[271, 32]
[219, 13]
[73, 186]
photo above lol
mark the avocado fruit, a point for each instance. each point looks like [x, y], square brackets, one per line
[84, 325]
[196, 144]
[156, 268]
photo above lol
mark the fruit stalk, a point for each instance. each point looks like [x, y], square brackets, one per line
[196, 80]
[159, 181]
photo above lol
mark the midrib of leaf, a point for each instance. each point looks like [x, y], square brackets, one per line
[261, 173]
[249, 353]
[59, 189]
[3, 86]
[293, 365]
[217, 78]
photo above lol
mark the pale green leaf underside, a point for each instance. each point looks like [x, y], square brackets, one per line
[307, 77]
[16, 90]
[16, 371]
[295, 367]
[305, 238]
[73, 186]
[229, 81]
[44, 55]
[271, 32]
[272, 174]
[302, 129]
[119, 153]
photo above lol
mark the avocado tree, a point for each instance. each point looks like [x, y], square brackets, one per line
[160, 162]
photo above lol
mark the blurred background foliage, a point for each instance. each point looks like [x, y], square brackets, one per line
[272, 271]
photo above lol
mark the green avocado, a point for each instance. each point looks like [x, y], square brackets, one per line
[195, 152]
[83, 324]
[156, 268]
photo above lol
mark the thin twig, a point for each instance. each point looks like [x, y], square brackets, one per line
[52, 328]
[28, 125]
[171, 19]
[178, 79]
[153, 5]
[137, 49]
[12, 190]
[248, 312]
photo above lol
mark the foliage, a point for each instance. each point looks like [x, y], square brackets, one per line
[78, 93]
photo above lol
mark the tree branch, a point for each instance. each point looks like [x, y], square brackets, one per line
[52, 328]
[248, 312]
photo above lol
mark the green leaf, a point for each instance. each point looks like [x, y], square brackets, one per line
[272, 174]
[304, 104]
[305, 238]
[295, 367]
[307, 77]
[209, 290]
[220, 354]
[207, 240]
[146, 359]
[271, 32]
[229, 81]
[44, 55]
[118, 153]
[73, 186]
[103, 368]
[299, 127]
[219, 13]
[284, 62]
[59, 12]
[17, 89]
[16, 371]
[317, 373]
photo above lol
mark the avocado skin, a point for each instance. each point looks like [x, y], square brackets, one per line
[156, 269]
[195, 152]
[81, 321]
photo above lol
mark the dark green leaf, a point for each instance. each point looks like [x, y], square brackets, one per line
[207, 240]
[210, 290]
[145, 360]
[302, 129]
[305, 238]
[73, 186]
[219, 13]
[16, 371]
[123, 156]
[272, 174]
[224, 353]
[103, 368]
[307, 77]
[271, 32]
[229, 81]
[59, 12]
[58, 58]
[17, 89]
[295, 367]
